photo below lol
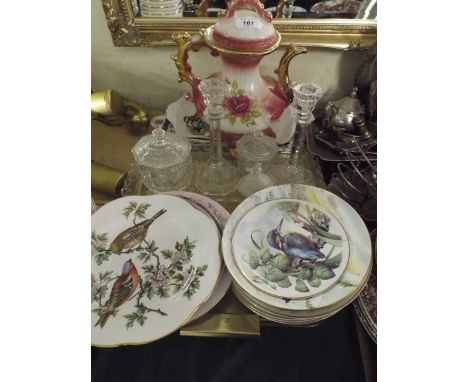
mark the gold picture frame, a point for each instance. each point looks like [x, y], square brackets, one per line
[128, 30]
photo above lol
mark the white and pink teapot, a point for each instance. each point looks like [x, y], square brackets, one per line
[243, 35]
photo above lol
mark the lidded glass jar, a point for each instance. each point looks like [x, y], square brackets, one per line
[255, 152]
[163, 160]
[256, 149]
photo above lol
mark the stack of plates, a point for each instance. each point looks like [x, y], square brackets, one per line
[366, 303]
[156, 265]
[161, 8]
[297, 254]
[366, 307]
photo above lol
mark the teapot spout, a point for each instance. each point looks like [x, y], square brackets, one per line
[283, 85]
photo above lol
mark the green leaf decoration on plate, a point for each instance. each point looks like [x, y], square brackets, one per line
[273, 274]
[346, 284]
[99, 237]
[253, 260]
[99, 251]
[138, 317]
[315, 282]
[265, 255]
[300, 286]
[129, 209]
[281, 261]
[101, 257]
[304, 274]
[333, 262]
[284, 283]
[99, 287]
[141, 210]
[323, 272]
[162, 292]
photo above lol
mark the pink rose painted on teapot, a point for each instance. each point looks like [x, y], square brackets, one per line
[243, 35]
[238, 106]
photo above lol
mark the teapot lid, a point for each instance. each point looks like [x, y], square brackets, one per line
[245, 27]
[161, 149]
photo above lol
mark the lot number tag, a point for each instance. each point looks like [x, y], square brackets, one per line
[247, 22]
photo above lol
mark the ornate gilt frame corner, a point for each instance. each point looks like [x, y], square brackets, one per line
[343, 34]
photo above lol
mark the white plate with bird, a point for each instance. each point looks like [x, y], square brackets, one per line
[155, 260]
[357, 269]
[290, 248]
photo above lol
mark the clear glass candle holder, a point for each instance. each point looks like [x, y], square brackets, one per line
[306, 96]
[217, 176]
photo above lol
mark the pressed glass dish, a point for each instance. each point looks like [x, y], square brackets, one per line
[163, 160]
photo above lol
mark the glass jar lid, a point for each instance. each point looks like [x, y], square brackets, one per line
[161, 149]
[256, 147]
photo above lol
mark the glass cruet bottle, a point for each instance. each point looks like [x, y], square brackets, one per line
[163, 159]
[217, 176]
[306, 96]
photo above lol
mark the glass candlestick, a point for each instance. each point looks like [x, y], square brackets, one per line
[306, 96]
[217, 176]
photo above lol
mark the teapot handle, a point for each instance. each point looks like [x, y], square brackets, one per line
[279, 9]
[283, 68]
[186, 42]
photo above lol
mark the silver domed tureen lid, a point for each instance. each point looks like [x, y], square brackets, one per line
[349, 104]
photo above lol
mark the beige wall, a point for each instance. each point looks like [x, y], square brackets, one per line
[149, 76]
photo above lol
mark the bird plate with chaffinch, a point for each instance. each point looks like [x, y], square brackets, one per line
[155, 261]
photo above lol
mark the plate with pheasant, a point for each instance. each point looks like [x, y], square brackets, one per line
[290, 248]
[155, 260]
